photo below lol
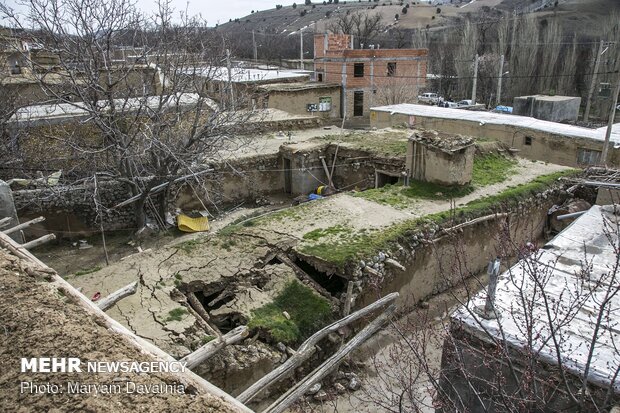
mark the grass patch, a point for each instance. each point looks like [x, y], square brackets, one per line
[387, 195]
[87, 271]
[429, 190]
[189, 246]
[308, 312]
[176, 314]
[487, 170]
[205, 339]
[492, 169]
[388, 143]
[368, 244]
[320, 233]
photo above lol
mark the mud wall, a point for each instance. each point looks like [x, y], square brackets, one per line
[71, 209]
[532, 144]
[433, 267]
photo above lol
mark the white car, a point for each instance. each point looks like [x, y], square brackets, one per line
[430, 98]
[447, 104]
[465, 103]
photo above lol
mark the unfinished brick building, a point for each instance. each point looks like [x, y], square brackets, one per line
[369, 77]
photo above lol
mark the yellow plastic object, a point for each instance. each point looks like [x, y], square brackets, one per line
[187, 224]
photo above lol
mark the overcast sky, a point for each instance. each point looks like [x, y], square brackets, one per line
[214, 11]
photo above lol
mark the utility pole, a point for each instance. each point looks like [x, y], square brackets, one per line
[475, 85]
[230, 87]
[255, 50]
[301, 49]
[586, 114]
[612, 115]
[499, 80]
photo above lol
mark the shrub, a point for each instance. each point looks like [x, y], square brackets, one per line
[294, 5]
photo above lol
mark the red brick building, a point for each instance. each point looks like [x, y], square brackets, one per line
[369, 77]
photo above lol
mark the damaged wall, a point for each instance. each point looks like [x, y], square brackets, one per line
[433, 267]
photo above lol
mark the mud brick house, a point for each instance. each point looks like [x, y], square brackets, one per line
[369, 77]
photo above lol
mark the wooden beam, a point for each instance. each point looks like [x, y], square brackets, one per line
[160, 188]
[118, 295]
[24, 225]
[347, 299]
[288, 398]
[329, 177]
[195, 305]
[203, 353]
[39, 241]
[305, 277]
[307, 348]
[5, 221]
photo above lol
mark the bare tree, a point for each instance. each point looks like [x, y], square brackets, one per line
[486, 370]
[364, 27]
[152, 119]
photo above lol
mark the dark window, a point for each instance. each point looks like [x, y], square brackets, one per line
[528, 140]
[358, 70]
[588, 157]
[358, 103]
[604, 90]
[391, 69]
[320, 77]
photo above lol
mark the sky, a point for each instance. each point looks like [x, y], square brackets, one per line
[214, 11]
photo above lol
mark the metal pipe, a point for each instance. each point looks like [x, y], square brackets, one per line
[571, 215]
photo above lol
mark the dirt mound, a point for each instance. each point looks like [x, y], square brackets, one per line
[39, 320]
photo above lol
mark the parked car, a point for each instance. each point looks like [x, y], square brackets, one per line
[430, 98]
[465, 103]
[448, 104]
[503, 109]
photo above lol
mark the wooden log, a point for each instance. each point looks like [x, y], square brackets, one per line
[118, 295]
[393, 263]
[21, 252]
[91, 308]
[308, 347]
[5, 221]
[475, 221]
[347, 299]
[305, 277]
[23, 225]
[195, 304]
[324, 369]
[39, 241]
[203, 353]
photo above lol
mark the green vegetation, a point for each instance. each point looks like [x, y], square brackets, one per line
[206, 339]
[492, 169]
[176, 314]
[388, 143]
[388, 195]
[488, 170]
[320, 233]
[428, 190]
[87, 271]
[340, 252]
[190, 245]
[308, 312]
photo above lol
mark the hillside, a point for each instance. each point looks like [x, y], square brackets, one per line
[581, 14]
